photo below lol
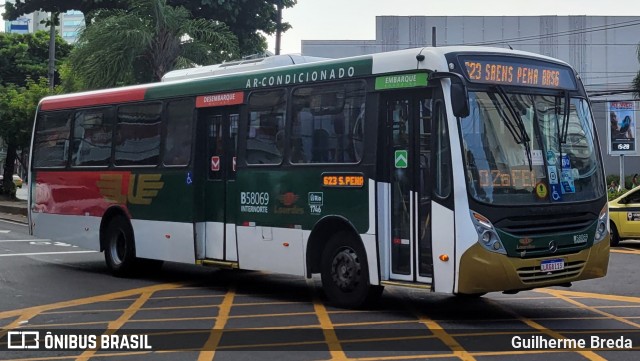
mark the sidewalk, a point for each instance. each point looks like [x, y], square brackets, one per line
[15, 211]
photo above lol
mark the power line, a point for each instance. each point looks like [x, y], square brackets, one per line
[621, 24]
[617, 25]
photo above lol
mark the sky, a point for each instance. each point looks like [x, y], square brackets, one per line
[355, 19]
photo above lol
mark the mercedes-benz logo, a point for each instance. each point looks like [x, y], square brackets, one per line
[553, 247]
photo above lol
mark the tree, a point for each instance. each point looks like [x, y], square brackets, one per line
[22, 58]
[17, 111]
[145, 42]
[245, 18]
[25, 56]
[636, 80]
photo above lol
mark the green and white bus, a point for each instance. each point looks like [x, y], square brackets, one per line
[461, 170]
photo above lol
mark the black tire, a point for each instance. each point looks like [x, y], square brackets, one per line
[120, 248]
[345, 273]
[615, 236]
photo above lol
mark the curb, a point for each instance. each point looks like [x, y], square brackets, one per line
[14, 218]
[17, 210]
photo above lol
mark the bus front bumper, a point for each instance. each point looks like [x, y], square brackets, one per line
[483, 271]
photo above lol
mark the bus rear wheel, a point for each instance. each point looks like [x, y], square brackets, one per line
[345, 274]
[120, 249]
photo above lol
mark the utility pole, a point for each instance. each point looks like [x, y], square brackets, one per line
[52, 49]
[279, 27]
[433, 36]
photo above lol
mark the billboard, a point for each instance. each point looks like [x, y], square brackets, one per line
[622, 127]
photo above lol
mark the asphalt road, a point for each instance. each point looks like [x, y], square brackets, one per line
[191, 312]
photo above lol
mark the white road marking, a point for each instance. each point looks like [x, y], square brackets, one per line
[42, 253]
[24, 240]
[4, 231]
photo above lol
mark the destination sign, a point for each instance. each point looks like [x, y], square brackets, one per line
[511, 71]
[342, 180]
[517, 178]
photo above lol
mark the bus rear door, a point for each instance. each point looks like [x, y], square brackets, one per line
[216, 232]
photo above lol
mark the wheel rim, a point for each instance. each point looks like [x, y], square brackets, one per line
[346, 269]
[118, 248]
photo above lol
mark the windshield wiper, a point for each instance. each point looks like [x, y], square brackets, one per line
[565, 119]
[515, 133]
[524, 136]
[563, 129]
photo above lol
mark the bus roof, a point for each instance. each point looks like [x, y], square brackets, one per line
[309, 71]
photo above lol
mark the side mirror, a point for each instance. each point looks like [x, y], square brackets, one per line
[459, 99]
[459, 93]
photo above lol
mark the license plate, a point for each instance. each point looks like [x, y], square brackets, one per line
[552, 265]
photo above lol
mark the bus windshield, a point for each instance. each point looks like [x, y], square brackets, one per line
[521, 148]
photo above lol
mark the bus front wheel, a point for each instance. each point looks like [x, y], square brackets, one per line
[345, 274]
[120, 250]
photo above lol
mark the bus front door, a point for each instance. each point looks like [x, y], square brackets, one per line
[408, 238]
[218, 231]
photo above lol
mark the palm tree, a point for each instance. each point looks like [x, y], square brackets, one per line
[144, 42]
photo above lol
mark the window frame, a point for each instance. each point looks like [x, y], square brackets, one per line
[289, 123]
[162, 115]
[67, 152]
[245, 124]
[110, 112]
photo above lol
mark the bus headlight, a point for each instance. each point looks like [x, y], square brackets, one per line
[603, 221]
[487, 236]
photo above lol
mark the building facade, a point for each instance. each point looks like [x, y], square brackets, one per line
[603, 49]
[70, 24]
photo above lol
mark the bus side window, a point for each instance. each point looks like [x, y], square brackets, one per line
[177, 145]
[137, 139]
[51, 142]
[442, 186]
[265, 136]
[92, 133]
[328, 123]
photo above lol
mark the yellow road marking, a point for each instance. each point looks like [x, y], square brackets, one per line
[122, 309]
[275, 303]
[371, 323]
[328, 330]
[17, 322]
[274, 315]
[598, 296]
[88, 300]
[440, 333]
[308, 343]
[209, 349]
[184, 297]
[624, 251]
[176, 319]
[117, 324]
[590, 355]
[592, 309]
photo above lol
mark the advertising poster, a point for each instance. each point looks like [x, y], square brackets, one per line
[622, 127]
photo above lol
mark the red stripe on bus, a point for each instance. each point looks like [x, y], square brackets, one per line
[80, 193]
[96, 98]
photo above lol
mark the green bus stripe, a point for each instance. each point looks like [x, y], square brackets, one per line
[290, 75]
